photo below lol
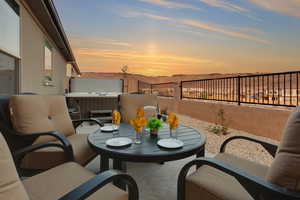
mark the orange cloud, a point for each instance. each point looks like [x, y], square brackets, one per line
[95, 42]
[156, 17]
[219, 29]
[108, 60]
[289, 7]
[209, 26]
[225, 5]
[140, 57]
[171, 4]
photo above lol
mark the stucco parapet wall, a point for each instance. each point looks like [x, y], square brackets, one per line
[267, 121]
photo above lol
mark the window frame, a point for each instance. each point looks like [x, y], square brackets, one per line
[47, 72]
[14, 5]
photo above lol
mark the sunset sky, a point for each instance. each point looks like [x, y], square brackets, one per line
[165, 37]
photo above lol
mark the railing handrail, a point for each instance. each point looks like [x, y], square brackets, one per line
[166, 83]
[151, 87]
[243, 76]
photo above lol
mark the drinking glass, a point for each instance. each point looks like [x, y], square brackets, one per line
[138, 137]
[115, 127]
[173, 133]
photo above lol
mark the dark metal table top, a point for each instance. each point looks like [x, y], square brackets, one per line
[149, 151]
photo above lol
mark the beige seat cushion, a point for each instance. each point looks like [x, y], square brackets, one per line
[11, 187]
[62, 179]
[284, 170]
[131, 102]
[212, 184]
[51, 157]
[38, 113]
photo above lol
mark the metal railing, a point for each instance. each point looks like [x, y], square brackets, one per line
[144, 87]
[278, 89]
[164, 89]
[160, 89]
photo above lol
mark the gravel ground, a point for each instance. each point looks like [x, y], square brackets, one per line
[240, 148]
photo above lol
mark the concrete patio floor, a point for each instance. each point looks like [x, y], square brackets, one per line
[158, 182]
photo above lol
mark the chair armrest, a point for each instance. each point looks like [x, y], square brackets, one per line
[88, 188]
[66, 145]
[22, 152]
[258, 188]
[269, 147]
[78, 122]
[59, 136]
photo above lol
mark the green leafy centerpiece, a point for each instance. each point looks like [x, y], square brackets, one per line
[154, 124]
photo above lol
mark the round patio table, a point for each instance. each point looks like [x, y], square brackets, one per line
[148, 151]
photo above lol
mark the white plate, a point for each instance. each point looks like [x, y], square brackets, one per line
[109, 128]
[118, 142]
[170, 143]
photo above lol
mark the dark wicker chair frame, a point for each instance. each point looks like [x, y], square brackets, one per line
[258, 188]
[19, 141]
[88, 188]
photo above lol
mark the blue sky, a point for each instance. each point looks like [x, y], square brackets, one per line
[165, 37]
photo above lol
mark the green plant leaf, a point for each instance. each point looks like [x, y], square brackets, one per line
[154, 124]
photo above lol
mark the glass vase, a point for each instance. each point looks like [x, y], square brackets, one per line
[138, 137]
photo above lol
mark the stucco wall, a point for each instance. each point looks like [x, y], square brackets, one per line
[261, 121]
[32, 59]
[130, 85]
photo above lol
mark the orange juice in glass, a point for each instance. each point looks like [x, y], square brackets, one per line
[116, 120]
[173, 122]
[138, 123]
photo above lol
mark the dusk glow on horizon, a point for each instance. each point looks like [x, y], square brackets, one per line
[165, 37]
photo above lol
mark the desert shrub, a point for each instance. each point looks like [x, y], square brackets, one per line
[221, 125]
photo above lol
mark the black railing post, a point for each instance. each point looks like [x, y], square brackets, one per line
[180, 90]
[297, 88]
[239, 89]
[150, 88]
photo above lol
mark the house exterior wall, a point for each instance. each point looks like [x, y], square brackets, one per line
[32, 58]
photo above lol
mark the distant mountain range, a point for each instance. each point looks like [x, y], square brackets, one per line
[159, 79]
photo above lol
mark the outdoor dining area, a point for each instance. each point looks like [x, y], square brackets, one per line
[45, 156]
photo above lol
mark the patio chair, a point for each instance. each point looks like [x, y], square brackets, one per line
[68, 181]
[227, 177]
[36, 119]
[129, 103]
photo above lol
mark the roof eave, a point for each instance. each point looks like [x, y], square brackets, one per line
[46, 13]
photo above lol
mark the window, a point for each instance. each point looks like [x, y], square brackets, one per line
[10, 27]
[9, 46]
[69, 70]
[48, 64]
[8, 74]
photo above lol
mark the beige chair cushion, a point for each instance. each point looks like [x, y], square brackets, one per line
[11, 188]
[284, 170]
[51, 157]
[38, 113]
[131, 102]
[212, 184]
[62, 179]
